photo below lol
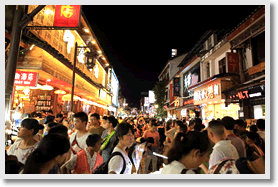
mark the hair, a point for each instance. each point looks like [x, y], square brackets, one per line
[183, 128]
[96, 115]
[12, 165]
[41, 127]
[113, 120]
[253, 128]
[199, 127]
[261, 124]
[105, 118]
[59, 115]
[50, 146]
[149, 140]
[30, 124]
[52, 124]
[198, 121]
[216, 127]
[179, 123]
[184, 143]
[228, 122]
[50, 111]
[48, 119]
[191, 122]
[59, 129]
[92, 140]
[168, 125]
[240, 123]
[82, 116]
[258, 140]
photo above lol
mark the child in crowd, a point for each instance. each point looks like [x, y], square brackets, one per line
[85, 161]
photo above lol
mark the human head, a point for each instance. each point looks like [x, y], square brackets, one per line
[80, 120]
[52, 149]
[50, 125]
[192, 146]
[253, 138]
[29, 127]
[95, 119]
[216, 131]
[48, 119]
[168, 125]
[183, 128]
[50, 112]
[110, 121]
[191, 124]
[253, 128]
[59, 129]
[228, 122]
[125, 134]
[93, 142]
[59, 117]
[41, 128]
[261, 124]
[178, 124]
[240, 125]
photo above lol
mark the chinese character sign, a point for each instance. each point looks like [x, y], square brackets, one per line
[176, 86]
[67, 16]
[233, 62]
[25, 78]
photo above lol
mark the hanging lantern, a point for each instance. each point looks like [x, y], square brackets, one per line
[90, 60]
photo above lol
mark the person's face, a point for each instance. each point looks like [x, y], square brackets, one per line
[198, 159]
[58, 119]
[106, 124]
[40, 131]
[97, 146]
[78, 123]
[94, 120]
[127, 139]
[24, 132]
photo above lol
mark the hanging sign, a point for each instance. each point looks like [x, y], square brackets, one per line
[233, 62]
[176, 86]
[67, 16]
[25, 78]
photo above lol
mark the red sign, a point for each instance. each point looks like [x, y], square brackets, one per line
[233, 62]
[67, 16]
[240, 95]
[188, 102]
[25, 78]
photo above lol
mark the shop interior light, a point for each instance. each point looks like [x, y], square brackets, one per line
[62, 92]
[48, 12]
[86, 30]
[93, 42]
[46, 87]
[32, 46]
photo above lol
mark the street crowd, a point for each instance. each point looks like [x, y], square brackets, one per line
[94, 144]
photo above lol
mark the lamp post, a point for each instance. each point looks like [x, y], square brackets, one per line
[90, 58]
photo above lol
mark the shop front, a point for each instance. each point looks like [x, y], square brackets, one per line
[208, 96]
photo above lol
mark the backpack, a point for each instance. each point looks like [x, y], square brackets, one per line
[224, 166]
[103, 168]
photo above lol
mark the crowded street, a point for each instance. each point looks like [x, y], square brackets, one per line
[74, 107]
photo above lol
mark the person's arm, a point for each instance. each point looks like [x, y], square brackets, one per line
[204, 168]
[115, 165]
[69, 165]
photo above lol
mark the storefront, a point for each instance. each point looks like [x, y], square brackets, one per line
[208, 95]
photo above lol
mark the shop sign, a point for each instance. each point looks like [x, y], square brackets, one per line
[255, 69]
[183, 112]
[188, 102]
[146, 103]
[208, 93]
[25, 78]
[246, 94]
[233, 62]
[67, 16]
[176, 86]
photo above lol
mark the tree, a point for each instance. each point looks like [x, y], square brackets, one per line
[160, 96]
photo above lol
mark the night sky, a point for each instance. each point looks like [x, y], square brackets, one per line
[137, 39]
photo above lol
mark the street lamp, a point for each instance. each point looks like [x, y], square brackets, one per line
[90, 63]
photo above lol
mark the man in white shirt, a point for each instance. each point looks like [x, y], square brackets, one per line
[223, 148]
[261, 128]
[78, 138]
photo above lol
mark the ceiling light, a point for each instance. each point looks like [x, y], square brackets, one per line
[99, 52]
[86, 30]
[93, 42]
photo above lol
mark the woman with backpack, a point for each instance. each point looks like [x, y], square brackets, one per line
[188, 152]
[119, 162]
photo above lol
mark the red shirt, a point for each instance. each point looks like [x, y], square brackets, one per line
[155, 136]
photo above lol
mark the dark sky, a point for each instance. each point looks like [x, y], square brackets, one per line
[137, 39]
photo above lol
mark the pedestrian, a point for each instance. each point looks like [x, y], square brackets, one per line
[50, 152]
[78, 138]
[26, 143]
[223, 148]
[85, 161]
[240, 126]
[188, 151]
[59, 129]
[108, 137]
[261, 128]
[253, 128]
[254, 140]
[125, 139]
[239, 144]
[152, 132]
[95, 127]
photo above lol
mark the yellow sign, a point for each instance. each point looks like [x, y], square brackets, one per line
[255, 69]
[67, 11]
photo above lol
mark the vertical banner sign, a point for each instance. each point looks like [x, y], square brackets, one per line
[25, 78]
[171, 95]
[67, 16]
[176, 86]
[233, 62]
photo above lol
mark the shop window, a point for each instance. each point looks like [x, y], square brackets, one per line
[222, 65]
[258, 48]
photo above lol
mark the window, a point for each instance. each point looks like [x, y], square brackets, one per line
[222, 65]
[258, 48]
[209, 42]
[208, 69]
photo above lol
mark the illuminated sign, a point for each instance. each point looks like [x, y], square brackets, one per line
[69, 38]
[208, 93]
[67, 16]
[176, 90]
[187, 80]
[25, 78]
[188, 102]
[96, 71]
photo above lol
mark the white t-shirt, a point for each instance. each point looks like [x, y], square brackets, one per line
[81, 142]
[223, 149]
[262, 134]
[175, 167]
[21, 154]
[116, 163]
